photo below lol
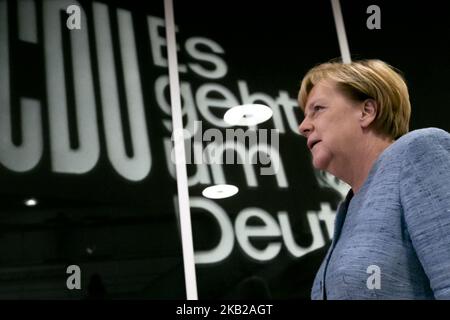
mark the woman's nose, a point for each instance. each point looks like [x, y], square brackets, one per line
[305, 127]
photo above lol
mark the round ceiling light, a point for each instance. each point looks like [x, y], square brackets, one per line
[31, 202]
[248, 115]
[220, 191]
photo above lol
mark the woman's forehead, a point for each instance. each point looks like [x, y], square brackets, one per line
[320, 91]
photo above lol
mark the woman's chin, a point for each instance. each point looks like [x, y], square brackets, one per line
[318, 167]
[320, 163]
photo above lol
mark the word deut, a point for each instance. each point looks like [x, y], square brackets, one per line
[274, 230]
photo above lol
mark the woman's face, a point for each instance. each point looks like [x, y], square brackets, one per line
[332, 127]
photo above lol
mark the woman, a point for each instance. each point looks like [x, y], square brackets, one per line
[392, 233]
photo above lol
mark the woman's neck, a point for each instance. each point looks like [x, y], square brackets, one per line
[360, 163]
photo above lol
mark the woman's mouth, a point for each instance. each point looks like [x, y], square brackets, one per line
[312, 145]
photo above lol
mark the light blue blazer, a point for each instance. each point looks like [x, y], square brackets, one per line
[392, 239]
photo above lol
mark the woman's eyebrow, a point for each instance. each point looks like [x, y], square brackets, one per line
[316, 101]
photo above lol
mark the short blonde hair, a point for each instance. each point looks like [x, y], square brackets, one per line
[364, 79]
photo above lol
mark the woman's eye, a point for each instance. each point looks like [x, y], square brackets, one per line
[317, 108]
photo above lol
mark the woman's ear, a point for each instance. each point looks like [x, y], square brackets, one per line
[368, 112]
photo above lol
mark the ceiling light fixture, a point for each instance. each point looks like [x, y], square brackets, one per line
[31, 202]
[247, 115]
[220, 191]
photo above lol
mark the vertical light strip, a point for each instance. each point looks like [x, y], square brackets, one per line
[180, 157]
[340, 29]
[27, 21]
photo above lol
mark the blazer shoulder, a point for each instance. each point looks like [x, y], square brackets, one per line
[424, 135]
[422, 142]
